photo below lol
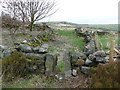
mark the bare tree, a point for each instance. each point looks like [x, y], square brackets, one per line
[33, 11]
[39, 9]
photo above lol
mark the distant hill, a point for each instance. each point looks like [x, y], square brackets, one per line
[63, 25]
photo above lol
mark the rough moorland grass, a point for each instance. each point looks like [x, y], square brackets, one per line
[106, 26]
[73, 39]
[105, 40]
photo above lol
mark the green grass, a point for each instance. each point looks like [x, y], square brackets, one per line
[78, 41]
[73, 39]
[60, 65]
[105, 40]
[106, 26]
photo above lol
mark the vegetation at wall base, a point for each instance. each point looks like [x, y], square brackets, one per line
[107, 76]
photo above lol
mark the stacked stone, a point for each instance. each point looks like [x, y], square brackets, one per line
[42, 61]
[83, 61]
[79, 32]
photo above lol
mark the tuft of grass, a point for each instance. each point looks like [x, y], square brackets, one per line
[60, 65]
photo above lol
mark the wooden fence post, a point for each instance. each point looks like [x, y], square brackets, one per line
[96, 41]
[101, 47]
[112, 43]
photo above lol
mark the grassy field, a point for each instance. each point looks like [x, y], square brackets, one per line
[73, 39]
[106, 26]
[78, 41]
[105, 41]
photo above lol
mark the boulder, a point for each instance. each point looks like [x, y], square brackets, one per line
[25, 48]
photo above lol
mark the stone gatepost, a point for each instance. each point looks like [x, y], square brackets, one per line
[50, 63]
[67, 63]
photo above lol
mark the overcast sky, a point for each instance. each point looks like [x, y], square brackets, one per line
[87, 11]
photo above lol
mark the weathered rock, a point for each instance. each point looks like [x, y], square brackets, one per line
[90, 45]
[74, 72]
[81, 55]
[74, 59]
[80, 62]
[88, 62]
[89, 52]
[6, 53]
[43, 48]
[2, 48]
[35, 56]
[91, 57]
[36, 49]
[37, 62]
[67, 63]
[50, 64]
[100, 53]
[100, 59]
[25, 48]
[85, 70]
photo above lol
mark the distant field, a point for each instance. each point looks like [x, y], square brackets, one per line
[105, 26]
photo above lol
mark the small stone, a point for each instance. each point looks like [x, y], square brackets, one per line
[88, 62]
[85, 70]
[74, 72]
[59, 76]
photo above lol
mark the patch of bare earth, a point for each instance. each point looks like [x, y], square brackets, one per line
[73, 82]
